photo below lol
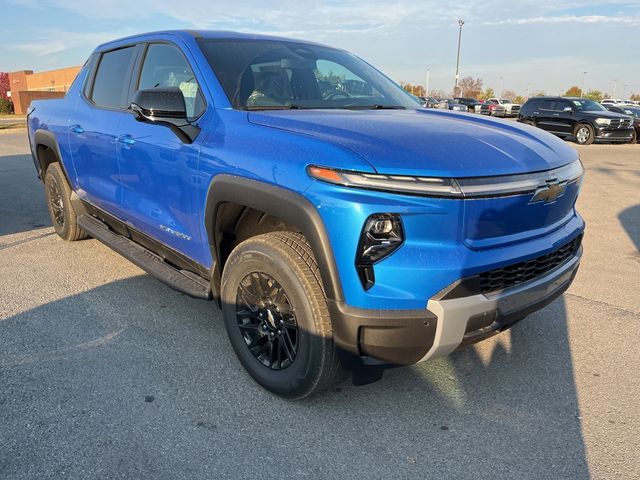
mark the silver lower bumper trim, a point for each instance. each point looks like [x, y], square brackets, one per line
[454, 314]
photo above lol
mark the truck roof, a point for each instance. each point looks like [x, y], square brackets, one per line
[191, 34]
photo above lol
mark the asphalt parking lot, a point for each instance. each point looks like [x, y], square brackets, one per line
[107, 373]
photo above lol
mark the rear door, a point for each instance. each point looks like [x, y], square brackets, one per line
[94, 128]
[547, 119]
[564, 116]
[160, 171]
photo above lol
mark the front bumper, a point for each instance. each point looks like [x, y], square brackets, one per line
[387, 338]
[614, 134]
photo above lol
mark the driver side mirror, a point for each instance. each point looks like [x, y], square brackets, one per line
[167, 107]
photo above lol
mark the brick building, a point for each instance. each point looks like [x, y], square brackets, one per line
[25, 86]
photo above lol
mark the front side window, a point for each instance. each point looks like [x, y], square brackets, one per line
[166, 66]
[270, 74]
[585, 105]
[111, 83]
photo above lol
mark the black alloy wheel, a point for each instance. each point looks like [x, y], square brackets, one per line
[267, 321]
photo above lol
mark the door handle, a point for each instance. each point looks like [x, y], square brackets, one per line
[126, 140]
[556, 114]
[77, 129]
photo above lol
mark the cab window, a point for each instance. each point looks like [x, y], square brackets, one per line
[111, 83]
[165, 66]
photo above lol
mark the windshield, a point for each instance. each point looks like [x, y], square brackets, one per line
[634, 112]
[271, 74]
[584, 105]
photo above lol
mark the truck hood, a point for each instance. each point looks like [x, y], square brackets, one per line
[437, 143]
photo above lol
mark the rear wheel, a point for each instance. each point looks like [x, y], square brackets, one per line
[276, 314]
[58, 194]
[584, 134]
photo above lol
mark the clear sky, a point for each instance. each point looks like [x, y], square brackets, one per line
[541, 44]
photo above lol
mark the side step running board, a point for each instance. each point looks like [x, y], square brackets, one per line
[180, 280]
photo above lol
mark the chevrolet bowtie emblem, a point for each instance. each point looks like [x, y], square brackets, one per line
[549, 192]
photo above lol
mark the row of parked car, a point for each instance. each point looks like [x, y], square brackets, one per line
[584, 120]
[497, 107]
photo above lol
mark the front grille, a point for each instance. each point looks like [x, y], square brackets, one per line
[616, 123]
[510, 276]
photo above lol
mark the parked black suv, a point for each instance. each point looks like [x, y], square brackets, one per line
[469, 102]
[583, 119]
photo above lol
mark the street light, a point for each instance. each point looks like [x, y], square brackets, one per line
[426, 92]
[582, 85]
[501, 87]
[455, 86]
[615, 84]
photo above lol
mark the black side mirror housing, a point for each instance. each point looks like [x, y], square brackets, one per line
[164, 106]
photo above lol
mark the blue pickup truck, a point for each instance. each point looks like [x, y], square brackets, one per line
[334, 221]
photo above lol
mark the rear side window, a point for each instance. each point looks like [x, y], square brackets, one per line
[166, 66]
[111, 84]
[547, 104]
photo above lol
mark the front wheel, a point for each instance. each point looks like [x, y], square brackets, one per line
[276, 314]
[634, 137]
[584, 134]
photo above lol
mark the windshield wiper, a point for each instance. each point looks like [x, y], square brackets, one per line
[293, 106]
[375, 106]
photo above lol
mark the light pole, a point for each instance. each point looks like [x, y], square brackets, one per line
[528, 88]
[582, 84]
[426, 92]
[624, 91]
[455, 86]
[501, 87]
[615, 84]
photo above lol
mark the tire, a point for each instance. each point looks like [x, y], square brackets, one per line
[58, 195]
[634, 137]
[274, 278]
[529, 122]
[584, 134]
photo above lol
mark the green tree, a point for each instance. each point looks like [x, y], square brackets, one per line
[594, 95]
[519, 99]
[635, 97]
[5, 106]
[573, 92]
[487, 94]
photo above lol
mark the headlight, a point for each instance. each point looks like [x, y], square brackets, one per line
[439, 187]
[381, 235]
[603, 121]
[471, 187]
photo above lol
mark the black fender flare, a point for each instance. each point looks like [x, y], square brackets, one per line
[48, 139]
[289, 206]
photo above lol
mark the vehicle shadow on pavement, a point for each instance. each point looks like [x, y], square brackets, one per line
[22, 204]
[137, 380]
[630, 220]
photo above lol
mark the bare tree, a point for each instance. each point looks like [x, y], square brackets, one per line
[470, 87]
[509, 94]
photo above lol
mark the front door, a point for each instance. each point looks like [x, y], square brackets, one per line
[159, 170]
